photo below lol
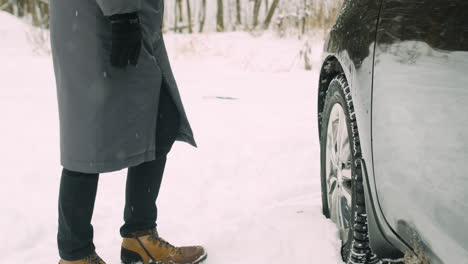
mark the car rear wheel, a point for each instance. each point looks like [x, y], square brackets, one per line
[343, 198]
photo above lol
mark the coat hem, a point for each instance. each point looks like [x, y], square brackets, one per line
[108, 166]
[187, 138]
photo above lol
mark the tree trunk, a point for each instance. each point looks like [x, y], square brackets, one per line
[179, 5]
[270, 14]
[220, 17]
[202, 16]
[176, 20]
[189, 17]
[256, 12]
[238, 12]
[304, 18]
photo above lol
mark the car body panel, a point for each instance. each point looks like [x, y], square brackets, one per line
[420, 125]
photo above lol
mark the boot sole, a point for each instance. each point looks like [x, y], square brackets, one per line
[201, 259]
[130, 257]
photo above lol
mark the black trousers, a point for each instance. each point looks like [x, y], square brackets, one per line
[78, 191]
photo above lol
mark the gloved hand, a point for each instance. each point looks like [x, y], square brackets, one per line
[126, 39]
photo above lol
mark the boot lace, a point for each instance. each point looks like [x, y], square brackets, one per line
[155, 238]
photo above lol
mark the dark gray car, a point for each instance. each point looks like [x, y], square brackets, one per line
[393, 118]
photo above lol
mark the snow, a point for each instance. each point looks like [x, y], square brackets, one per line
[250, 193]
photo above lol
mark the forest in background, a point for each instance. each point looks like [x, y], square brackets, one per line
[303, 19]
[286, 17]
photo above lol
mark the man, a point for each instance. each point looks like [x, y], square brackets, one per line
[119, 107]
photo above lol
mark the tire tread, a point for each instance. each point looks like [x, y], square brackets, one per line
[359, 252]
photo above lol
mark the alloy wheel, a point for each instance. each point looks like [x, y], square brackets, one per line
[338, 171]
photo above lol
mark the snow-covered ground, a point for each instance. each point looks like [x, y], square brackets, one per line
[250, 193]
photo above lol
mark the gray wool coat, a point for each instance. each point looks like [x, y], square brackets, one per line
[108, 115]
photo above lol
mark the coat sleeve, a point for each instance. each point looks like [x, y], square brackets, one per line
[112, 7]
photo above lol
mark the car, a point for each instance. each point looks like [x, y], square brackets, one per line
[393, 127]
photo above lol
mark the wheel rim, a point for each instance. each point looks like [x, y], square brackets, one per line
[338, 171]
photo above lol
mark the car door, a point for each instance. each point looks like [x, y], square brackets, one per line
[420, 124]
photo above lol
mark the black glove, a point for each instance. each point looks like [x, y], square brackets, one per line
[126, 39]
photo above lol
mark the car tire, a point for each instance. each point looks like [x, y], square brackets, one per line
[343, 197]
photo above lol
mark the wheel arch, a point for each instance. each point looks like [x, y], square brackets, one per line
[330, 68]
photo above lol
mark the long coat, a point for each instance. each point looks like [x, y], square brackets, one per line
[108, 115]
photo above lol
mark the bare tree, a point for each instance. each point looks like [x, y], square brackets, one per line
[35, 10]
[180, 15]
[270, 14]
[176, 18]
[256, 12]
[296, 17]
[202, 16]
[304, 17]
[238, 12]
[220, 17]
[189, 17]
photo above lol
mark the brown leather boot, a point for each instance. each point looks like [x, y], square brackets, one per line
[148, 247]
[92, 259]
